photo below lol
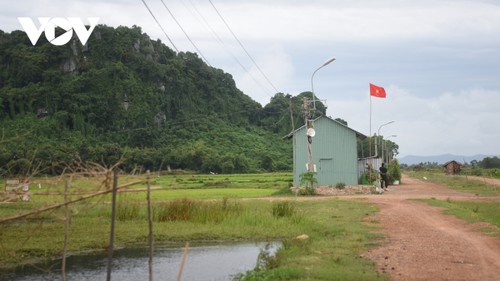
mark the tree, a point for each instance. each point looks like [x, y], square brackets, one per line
[490, 162]
[341, 121]
[394, 170]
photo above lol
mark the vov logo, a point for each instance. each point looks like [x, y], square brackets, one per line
[49, 25]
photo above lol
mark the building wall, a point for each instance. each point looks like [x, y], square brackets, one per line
[375, 163]
[334, 151]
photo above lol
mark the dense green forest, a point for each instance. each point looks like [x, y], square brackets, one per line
[125, 96]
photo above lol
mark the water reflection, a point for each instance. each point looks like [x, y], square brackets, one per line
[208, 262]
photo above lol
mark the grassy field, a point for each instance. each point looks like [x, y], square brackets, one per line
[201, 208]
[459, 183]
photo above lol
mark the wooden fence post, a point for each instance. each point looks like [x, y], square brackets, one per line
[150, 221]
[113, 216]
[66, 230]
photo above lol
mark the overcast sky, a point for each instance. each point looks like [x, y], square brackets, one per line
[439, 60]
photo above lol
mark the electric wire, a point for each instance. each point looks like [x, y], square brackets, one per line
[161, 27]
[221, 42]
[217, 38]
[241, 45]
[185, 33]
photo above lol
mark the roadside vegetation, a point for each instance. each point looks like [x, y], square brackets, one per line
[458, 182]
[194, 207]
[471, 211]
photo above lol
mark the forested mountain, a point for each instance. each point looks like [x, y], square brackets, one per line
[123, 95]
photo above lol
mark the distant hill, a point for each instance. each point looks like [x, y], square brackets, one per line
[440, 159]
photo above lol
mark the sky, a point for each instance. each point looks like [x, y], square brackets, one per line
[438, 60]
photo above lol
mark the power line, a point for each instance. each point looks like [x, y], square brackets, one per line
[185, 33]
[221, 42]
[241, 45]
[161, 27]
[218, 39]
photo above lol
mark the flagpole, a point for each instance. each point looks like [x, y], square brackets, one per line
[370, 135]
[370, 144]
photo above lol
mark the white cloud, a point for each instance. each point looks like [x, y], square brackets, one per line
[278, 68]
[461, 123]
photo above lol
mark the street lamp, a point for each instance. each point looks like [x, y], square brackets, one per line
[308, 123]
[312, 77]
[378, 134]
[384, 149]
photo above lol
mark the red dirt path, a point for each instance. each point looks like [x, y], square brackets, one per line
[424, 244]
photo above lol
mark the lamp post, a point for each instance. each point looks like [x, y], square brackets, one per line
[312, 79]
[383, 149]
[308, 122]
[378, 134]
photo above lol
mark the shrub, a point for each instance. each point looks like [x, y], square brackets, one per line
[476, 172]
[196, 211]
[307, 179]
[340, 185]
[394, 170]
[127, 209]
[176, 210]
[283, 209]
[369, 178]
[305, 191]
[495, 174]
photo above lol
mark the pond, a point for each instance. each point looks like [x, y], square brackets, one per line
[203, 262]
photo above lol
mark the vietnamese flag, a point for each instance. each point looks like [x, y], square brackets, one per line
[377, 91]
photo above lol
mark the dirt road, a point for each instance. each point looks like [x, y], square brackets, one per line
[424, 244]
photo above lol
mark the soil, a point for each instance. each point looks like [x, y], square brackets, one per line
[421, 243]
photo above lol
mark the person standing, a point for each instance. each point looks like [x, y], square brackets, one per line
[383, 177]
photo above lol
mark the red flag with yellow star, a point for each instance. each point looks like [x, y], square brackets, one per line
[377, 91]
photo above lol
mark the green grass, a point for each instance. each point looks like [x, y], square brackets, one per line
[337, 235]
[213, 193]
[467, 210]
[331, 252]
[169, 187]
[459, 183]
[481, 172]
[200, 181]
[335, 227]
[472, 212]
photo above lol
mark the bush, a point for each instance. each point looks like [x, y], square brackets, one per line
[176, 210]
[283, 209]
[340, 185]
[306, 191]
[367, 178]
[308, 179]
[127, 209]
[196, 211]
[394, 170]
[476, 172]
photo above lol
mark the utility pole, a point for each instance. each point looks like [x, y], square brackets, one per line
[308, 123]
[293, 137]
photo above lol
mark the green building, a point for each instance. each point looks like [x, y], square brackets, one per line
[334, 152]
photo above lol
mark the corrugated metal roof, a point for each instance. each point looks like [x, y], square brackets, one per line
[358, 134]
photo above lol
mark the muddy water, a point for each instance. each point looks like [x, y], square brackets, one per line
[207, 262]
